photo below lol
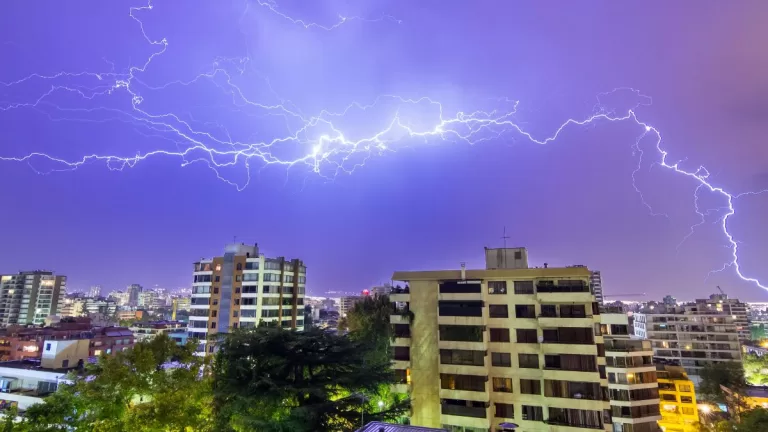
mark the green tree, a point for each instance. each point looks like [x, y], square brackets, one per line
[715, 374]
[756, 370]
[308, 317]
[754, 420]
[369, 323]
[156, 386]
[757, 332]
[273, 380]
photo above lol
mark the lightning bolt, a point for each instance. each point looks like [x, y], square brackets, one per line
[317, 142]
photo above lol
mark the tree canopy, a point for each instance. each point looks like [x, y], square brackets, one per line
[369, 322]
[155, 386]
[275, 380]
[756, 370]
[729, 374]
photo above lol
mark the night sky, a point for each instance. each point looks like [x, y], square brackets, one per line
[423, 203]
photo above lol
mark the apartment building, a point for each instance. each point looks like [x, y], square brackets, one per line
[243, 288]
[29, 297]
[133, 291]
[506, 344]
[690, 335]
[632, 380]
[679, 412]
[738, 310]
[346, 303]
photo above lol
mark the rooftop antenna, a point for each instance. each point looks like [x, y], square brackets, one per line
[504, 238]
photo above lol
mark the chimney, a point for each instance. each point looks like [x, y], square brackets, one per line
[463, 271]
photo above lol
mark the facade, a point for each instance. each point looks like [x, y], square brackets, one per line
[133, 292]
[119, 297]
[596, 280]
[145, 331]
[506, 344]
[381, 290]
[632, 382]
[691, 335]
[244, 288]
[733, 307]
[30, 297]
[24, 384]
[94, 291]
[679, 412]
[22, 343]
[346, 303]
[84, 306]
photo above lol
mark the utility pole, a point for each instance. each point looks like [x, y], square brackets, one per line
[504, 238]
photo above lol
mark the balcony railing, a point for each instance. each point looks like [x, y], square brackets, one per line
[565, 422]
[562, 288]
[463, 411]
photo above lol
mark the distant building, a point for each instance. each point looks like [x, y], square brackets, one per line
[346, 303]
[381, 290]
[690, 335]
[119, 297]
[83, 306]
[669, 301]
[133, 294]
[95, 291]
[596, 281]
[31, 296]
[145, 331]
[244, 288]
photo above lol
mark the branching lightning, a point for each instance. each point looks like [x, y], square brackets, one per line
[317, 142]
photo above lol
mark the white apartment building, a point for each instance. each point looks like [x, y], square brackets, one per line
[507, 344]
[30, 297]
[244, 288]
[632, 382]
[690, 336]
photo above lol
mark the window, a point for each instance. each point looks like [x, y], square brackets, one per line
[463, 286]
[502, 385]
[501, 359]
[251, 289]
[525, 311]
[530, 386]
[401, 353]
[213, 313]
[571, 335]
[573, 311]
[497, 287]
[686, 399]
[462, 382]
[460, 308]
[265, 313]
[215, 290]
[213, 325]
[685, 388]
[239, 266]
[527, 336]
[528, 361]
[460, 333]
[549, 311]
[499, 335]
[237, 301]
[687, 411]
[462, 357]
[65, 363]
[237, 290]
[47, 347]
[505, 410]
[523, 287]
[217, 279]
[250, 265]
[234, 314]
[571, 362]
[238, 278]
[498, 311]
[576, 418]
[532, 413]
[247, 301]
[248, 313]
[572, 390]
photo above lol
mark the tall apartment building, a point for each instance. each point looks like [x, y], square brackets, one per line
[134, 290]
[733, 307]
[29, 297]
[632, 379]
[346, 303]
[506, 344]
[690, 335]
[242, 289]
[679, 412]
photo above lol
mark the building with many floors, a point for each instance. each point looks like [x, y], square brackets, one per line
[632, 381]
[30, 297]
[243, 288]
[690, 335]
[505, 344]
[146, 331]
[679, 411]
[133, 291]
[346, 303]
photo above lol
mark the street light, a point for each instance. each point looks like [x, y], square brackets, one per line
[381, 405]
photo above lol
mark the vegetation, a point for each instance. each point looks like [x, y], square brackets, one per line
[756, 370]
[269, 379]
[729, 374]
[755, 420]
[757, 332]
[156, 386]
[368, 323]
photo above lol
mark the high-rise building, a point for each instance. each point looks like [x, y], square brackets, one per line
[346, 303]
[690, 335]
[505, 344]
[94, 291]
[133, 291]
[733, 307]
[632, 380]
[384, 289]
[596, 281]
[242, 289]
[29, 297]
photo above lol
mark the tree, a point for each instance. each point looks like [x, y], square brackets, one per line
[754, 420]
[155, 386]
[369, 323]
[271, 379]
[308, 316]
[756, 370]
[757, 332]
[715, 374]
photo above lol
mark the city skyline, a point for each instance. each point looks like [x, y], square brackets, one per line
[428, 205]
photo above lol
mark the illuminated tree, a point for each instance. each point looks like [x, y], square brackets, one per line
[270, 379]
[756, 370]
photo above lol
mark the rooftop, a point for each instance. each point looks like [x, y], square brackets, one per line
[32, 365]
[389, 427]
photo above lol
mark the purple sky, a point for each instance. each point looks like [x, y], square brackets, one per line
[431, 203]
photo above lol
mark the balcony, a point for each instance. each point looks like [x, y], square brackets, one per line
[463, 411]
[564, 422]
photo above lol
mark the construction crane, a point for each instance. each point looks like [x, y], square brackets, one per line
[721, 291]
